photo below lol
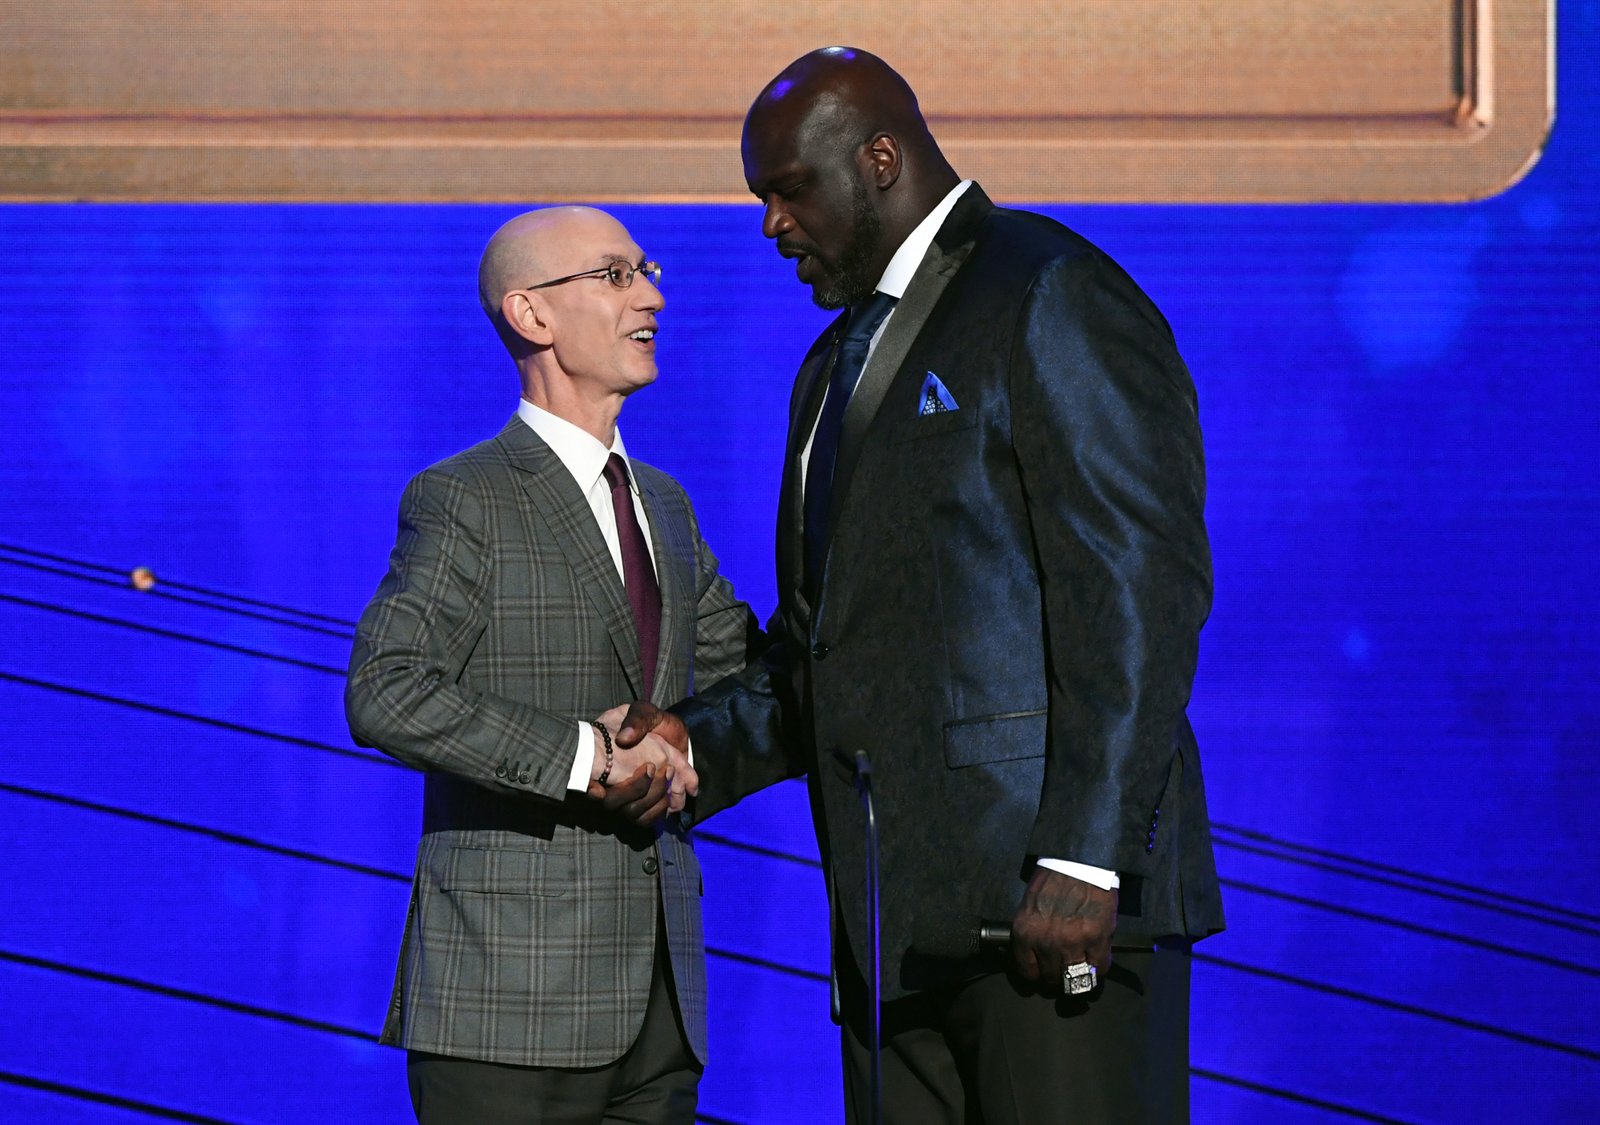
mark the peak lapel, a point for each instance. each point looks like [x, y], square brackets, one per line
[564, 509]
[948, 250]
[804, 404]
[677, 592]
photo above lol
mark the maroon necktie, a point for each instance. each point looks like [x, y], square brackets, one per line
[637, 573]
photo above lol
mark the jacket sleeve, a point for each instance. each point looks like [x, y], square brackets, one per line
[1106, 432]
[727, 635]
[746, 729]
[403, 694]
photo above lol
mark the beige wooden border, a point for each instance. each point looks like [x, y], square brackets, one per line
[1041, 100]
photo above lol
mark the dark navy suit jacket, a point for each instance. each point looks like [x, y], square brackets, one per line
[1009, 615]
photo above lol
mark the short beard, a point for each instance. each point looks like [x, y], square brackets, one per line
[849, 280]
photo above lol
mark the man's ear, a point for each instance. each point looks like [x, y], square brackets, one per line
[881, 159]
[528, 315]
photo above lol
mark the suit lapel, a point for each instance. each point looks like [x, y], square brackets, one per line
[804, 404]
[948, 250]
[809, 384]
[677, 592]
[565, 511]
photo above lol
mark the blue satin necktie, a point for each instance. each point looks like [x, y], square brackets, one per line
[858, 329]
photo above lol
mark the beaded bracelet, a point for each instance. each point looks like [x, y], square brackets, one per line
[605, 736]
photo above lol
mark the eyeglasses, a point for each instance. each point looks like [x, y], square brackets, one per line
[620, 274]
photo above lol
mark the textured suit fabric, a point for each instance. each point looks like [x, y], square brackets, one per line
[1009, 613]
[500, 625]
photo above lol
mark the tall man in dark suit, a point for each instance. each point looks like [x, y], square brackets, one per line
[552, 966]
[992, 574]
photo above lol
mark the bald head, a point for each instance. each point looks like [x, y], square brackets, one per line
[844, 93]
[537, 246]
[837, 150]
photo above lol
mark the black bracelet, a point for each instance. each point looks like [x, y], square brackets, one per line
[605, 736]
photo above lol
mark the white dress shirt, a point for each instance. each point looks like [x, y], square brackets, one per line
[896, 278]
[585, 458]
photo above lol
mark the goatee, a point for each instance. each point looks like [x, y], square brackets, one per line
[850, 279]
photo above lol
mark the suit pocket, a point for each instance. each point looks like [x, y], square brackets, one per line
[995, 738]
[506, 871]
[933, 425]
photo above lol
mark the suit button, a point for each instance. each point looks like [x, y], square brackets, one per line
[649, 865]
[523, 777]
[819, 651]
[500, 770]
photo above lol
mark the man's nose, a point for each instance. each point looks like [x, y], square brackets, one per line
[775, 220]
[646, 294]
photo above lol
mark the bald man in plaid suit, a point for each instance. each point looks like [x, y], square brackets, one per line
[552, 965]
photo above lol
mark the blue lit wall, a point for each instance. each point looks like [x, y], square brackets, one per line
[1397, 702]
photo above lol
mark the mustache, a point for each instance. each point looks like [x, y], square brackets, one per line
[796, 249]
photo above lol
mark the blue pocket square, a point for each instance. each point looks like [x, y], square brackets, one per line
[936, 397]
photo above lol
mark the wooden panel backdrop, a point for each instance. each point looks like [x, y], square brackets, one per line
[1042, 100]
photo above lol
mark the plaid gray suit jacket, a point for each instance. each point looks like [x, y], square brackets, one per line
[500, 624]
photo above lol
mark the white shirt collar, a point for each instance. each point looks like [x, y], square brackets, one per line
[897, 276]
[579, 450]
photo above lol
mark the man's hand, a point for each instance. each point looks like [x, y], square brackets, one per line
[642, 798]
[642, 719]
[1062, 921]
[649, 776]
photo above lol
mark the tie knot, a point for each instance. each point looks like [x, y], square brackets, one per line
[865, 317]
[616, 472]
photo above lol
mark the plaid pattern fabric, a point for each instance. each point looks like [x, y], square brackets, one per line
[500, 625]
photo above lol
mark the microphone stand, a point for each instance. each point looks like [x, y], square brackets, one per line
[874, 970]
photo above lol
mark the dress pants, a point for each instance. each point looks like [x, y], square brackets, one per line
[984, 1052]
[656, 1082]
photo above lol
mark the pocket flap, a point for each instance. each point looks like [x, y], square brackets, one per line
[506, 871]
[995, 738]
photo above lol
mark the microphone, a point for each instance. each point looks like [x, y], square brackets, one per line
[955, 939]
[995, 935]
[863, 766]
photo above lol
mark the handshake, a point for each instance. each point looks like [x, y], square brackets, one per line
[643, 752]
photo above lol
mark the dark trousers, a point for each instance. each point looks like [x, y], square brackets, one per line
[656, 1082]
[982, 1052]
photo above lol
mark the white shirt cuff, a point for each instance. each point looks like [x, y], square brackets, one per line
[1099, 876]
[583, 762]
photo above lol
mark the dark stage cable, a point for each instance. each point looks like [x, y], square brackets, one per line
[1263, 838]
[1479, 898]
[144, 580]
[100, 1097]
[255, 1011]
[203, 720]
[1291, 1096]
[171, 634]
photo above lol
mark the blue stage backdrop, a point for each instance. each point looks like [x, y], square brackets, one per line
[1397, 699]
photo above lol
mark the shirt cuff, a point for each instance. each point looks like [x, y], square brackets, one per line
[583, 761]
[1099, 876]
